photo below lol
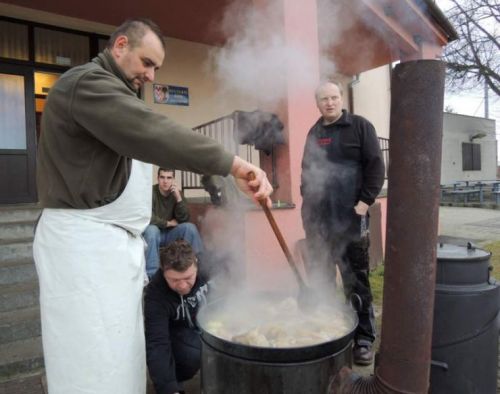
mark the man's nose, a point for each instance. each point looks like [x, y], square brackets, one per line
[150, 74]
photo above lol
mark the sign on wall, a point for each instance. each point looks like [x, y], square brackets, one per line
[169, 94]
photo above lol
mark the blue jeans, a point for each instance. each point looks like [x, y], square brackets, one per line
[156, 238]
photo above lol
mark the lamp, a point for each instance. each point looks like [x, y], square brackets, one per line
[478, 135]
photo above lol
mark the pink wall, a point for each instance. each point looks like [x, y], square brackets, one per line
[265, 264]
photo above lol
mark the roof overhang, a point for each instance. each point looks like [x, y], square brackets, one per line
[381, 31]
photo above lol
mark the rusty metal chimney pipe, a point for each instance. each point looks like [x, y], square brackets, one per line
[403, 361]
[412, 224]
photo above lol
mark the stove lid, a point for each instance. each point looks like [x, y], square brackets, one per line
[449, 252]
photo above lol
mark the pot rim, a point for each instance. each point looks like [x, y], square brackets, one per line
[275, 354]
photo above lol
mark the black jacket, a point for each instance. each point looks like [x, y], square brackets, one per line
[165, 309]
[342, 165]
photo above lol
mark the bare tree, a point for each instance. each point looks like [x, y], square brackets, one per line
[474, 59]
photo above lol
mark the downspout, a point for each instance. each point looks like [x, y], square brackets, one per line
[404, 358]
[354, 81]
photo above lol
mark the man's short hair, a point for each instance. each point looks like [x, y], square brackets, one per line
[327, 81]
[160, 169]
[177, 255]
[134, 30]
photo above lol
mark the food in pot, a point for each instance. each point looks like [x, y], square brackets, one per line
[282, 324]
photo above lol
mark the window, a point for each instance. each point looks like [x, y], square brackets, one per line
[46, 47]
[13, 40]
[101, 44]
[61, 48]
[471, 157]
[13, 119]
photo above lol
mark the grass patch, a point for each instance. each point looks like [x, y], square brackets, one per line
[377, 285]
[494, 248]
[377, 275]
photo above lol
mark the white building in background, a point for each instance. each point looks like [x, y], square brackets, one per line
[469, 149]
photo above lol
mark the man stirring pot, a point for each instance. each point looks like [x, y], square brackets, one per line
[95, 189]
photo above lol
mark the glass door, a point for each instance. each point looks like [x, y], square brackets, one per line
[17, 135]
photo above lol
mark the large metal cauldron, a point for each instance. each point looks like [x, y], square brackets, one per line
[465, 332]
[228, 367]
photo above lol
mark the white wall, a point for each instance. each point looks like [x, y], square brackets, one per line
[457, 129]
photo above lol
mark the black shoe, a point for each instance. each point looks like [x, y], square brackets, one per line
[362, 354]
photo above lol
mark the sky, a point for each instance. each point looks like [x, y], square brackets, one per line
[472, 102]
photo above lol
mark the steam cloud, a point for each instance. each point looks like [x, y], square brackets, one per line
[253, 62]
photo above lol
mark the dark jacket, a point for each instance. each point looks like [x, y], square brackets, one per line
[93, 124]
[166, 208]
[165, 310]
[342, 165]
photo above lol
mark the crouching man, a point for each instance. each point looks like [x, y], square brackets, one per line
[172, 298]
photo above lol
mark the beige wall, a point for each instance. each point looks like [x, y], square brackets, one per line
[187, 64]
[372, 98]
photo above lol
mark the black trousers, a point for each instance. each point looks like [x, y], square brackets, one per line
[186, 346]
[355, 268]
[352, 258]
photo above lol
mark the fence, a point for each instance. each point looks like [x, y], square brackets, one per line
[223, 131]
[384, 147]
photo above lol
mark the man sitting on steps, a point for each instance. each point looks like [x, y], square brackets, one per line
[169, 221]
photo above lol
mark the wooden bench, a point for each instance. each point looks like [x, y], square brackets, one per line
[466, 194]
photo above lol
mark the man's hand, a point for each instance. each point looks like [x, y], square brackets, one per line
[172, 223]
[259, 188]
[361, 208]
[175, 190]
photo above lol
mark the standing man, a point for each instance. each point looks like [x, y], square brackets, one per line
[169, 221]
[342, 174]
[96, 194]
[171, 301]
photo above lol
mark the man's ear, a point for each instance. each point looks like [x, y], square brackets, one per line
[121, 43]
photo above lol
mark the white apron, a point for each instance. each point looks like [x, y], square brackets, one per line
[90, 266]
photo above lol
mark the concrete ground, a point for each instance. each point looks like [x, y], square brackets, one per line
[477, 225]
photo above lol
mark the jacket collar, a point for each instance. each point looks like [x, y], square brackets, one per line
[158, 280]
[106, 61]
[344, 120]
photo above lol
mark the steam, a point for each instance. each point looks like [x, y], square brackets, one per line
[254, 61]
[225, 245]
[253, 65]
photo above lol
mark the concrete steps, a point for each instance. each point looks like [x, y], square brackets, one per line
[21, 355]
[18, 296]
[16, 230]
[18, 270]
[30, 383]
[20, 324]
[15, 249]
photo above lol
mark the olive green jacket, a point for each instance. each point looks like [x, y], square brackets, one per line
[94, 123]
[166, 208]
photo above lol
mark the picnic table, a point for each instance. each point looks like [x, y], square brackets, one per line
[466, 194]
[472, 190]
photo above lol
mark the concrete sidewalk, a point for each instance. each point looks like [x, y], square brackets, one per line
[477, 225]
